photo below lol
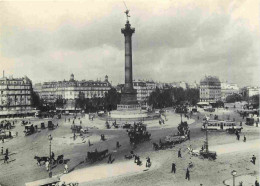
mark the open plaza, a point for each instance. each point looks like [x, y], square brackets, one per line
[232, 154]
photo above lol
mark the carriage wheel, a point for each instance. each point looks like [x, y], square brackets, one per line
[61, 161]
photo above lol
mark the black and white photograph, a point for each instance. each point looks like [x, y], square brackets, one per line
[129, 93]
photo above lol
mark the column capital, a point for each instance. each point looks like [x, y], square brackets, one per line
[127, 30]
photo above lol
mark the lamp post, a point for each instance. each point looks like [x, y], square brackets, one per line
[50, 173]
[233, 173]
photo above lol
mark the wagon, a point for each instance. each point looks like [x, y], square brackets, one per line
[211, 155]
[95, 155]
[50, 125]
[43, 126]
[76, 128]
[60, 159]
[176, 139]
[29, 129]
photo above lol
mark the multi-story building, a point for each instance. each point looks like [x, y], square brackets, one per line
[141, 89]
[15, 96]
[250, 91]
[144, 89]
[210, 89]
[50, 92]
[228, 89]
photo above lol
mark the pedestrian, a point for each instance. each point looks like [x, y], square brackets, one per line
[148, 162]
[16, 134]
[173, 168]
[109, 158]
[117, 144]
[256, 183]
[10, 134]
[52, 155]
[3, 140]
[2, 150]
[66, 168]
[179, 153]
[187, 174]
[238, 137]
[253, 159]
[6, 151]
[6, 158]
[244, 138]
[47, 165]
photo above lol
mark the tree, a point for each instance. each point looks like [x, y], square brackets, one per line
[60, 103]
[173, 96]
[233, 98]
[36, 101]
[111, 99]
[254, 100]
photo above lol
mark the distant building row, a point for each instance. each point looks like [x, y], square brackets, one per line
[212, 90]
[72, 89]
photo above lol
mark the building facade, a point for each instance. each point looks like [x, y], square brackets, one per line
[228, 89]
[210, 89]
[144, 89]
[72, 89]
[15, 96]
[250, 91]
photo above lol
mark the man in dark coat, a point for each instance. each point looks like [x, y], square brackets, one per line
[187, 174]
[253, 159]
[173, 168]
[179, 153]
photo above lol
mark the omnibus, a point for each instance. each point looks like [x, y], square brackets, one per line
[216, 125]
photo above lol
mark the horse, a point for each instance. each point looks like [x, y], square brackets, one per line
[40, 159]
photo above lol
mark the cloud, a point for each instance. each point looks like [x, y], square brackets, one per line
[172, 42]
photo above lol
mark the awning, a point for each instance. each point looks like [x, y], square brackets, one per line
[203, 103]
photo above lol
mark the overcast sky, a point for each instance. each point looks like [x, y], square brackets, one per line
[174, 40]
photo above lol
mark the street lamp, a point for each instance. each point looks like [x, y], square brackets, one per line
[50, 173]
[233, 173]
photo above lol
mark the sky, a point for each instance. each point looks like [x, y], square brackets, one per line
[174, 40]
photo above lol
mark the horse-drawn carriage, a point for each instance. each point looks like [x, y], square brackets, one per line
[76, 128]
[126, 126]
[5, 124]
[169, 142]
[51, 125]
[60, 159]
[138, 134]
[43, 126]
[95, 155]
[29, 129]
